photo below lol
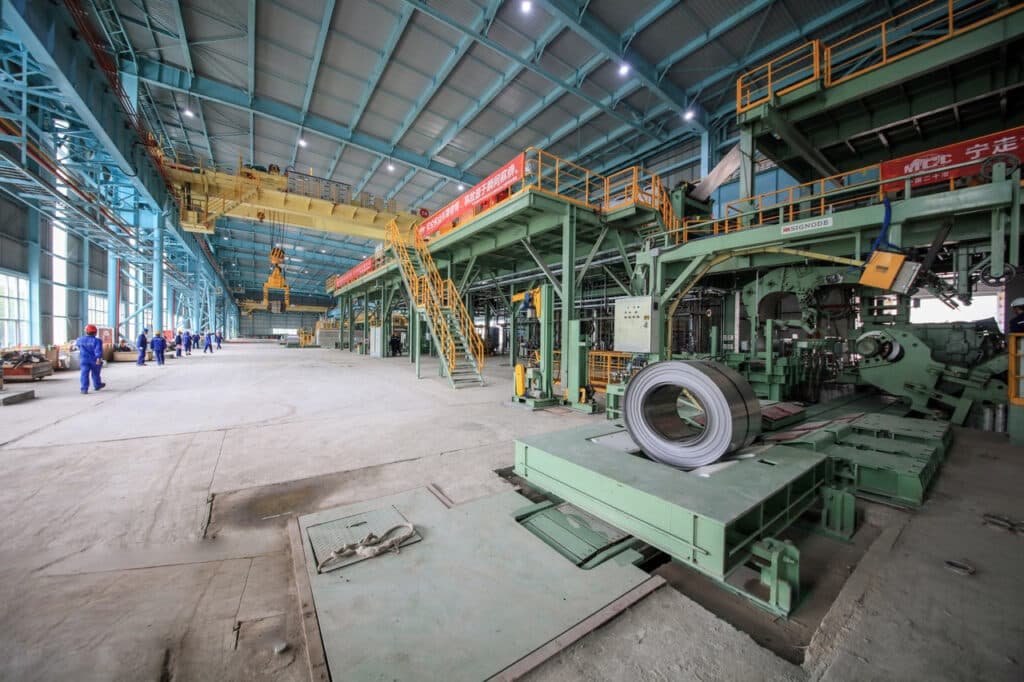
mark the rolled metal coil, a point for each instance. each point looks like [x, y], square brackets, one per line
[728, 412]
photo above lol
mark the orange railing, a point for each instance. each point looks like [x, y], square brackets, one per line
[545, 172]
[601, 364]
[785, 73]
[1015, 376]
[907, 33]
[918, 28]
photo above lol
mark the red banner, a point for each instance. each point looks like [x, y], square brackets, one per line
[355, 273]
[487, 189]
[938, 160]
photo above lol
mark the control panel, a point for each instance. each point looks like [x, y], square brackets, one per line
[636, 324]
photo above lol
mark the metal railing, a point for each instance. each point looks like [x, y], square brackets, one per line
[785, 73]
[816, 199]
[601, 364]
[549, 174]
[918, 28]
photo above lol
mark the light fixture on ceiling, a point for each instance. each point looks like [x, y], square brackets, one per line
[391, 167]
[623, 69]
[302, 142]
[188, 113]
[225, 237]
[461, 187]
[526, 6]
[689, 115]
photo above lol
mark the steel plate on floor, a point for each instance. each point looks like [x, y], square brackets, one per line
[329, 536]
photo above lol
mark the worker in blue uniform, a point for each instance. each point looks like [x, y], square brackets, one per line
[218, 337]
[142, 343]
[188, 342]
[208, 342]
[159, 344]
[90, 358]
[177, 344]
[1016, 325]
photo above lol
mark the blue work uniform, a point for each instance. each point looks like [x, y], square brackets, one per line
[177, 346]
[218, 338]
[159, 346]
[188, 344]
[142, 343]
[208, 343]
[90, 357]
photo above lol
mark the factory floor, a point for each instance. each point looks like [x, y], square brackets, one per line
[143, 530]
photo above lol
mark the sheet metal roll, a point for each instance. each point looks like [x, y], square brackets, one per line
[718, 399]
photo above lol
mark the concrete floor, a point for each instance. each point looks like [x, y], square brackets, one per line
[143, 530]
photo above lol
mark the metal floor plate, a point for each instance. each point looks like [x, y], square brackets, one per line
[329, 536]
[477, 596]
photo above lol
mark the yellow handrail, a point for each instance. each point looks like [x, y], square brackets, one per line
[1015, 375]
[909, 32]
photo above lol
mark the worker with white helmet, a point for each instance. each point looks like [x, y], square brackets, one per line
[1016, 325]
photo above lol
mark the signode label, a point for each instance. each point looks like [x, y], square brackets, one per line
[807, 225]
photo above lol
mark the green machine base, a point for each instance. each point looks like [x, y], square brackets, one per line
[891, 459]
[717, 519]
[535, 403]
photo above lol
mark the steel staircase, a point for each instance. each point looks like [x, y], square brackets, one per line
[459, 346]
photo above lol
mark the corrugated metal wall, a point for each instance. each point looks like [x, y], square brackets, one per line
[262, 323]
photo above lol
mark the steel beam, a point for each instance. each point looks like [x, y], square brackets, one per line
[174, 78]
[314, 70]
[534, 67]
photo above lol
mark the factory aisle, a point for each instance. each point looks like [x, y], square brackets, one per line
[143, 529]
[104, 562]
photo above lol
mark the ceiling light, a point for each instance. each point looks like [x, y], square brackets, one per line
[623, 69]
[61, 124]
[689, 115]
[526, 6]
[461, 187]
[188, 113]
[391, 167]
[302, 142]
[224, 238]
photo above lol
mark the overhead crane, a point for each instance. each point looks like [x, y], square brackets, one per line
[852, 247]
[290, 198]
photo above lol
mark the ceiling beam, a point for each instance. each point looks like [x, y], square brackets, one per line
[455, 56]
[177, 79]
[576, 89]
[614, 46]
[314, 70]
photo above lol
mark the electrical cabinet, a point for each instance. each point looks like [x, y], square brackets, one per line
[636, 324]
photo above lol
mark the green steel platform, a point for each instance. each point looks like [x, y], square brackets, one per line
[716, 519]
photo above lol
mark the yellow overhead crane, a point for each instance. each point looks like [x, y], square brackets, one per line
[291, 198]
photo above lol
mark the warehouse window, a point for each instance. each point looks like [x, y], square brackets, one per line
[13, 310]
[60, 280]
[98, 310]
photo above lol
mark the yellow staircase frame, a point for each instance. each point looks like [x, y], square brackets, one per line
[435, 294]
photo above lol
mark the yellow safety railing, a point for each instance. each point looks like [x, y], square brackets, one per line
[785, 73]
[1015, 375]
[601, 364]
[545, 172]
[918, 28]
[549, 174]
[818, 198]
[907, 33]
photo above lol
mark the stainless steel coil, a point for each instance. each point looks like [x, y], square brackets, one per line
[690, 413]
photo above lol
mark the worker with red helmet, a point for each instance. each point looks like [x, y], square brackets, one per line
[90, 358]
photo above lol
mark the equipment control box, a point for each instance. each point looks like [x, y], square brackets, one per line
[636, 324]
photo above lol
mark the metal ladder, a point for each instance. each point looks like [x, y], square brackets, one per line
[459, 346]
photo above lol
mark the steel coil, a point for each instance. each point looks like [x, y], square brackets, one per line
[690, 414]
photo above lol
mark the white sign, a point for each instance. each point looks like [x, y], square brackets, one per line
[807, 226]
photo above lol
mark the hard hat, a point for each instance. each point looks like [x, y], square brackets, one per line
[90, 329]
[145, 329]
[1017, 302]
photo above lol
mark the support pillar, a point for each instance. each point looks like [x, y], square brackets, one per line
[747, 166]
[158, 275]
[113, 304]
[83, 295]
[35, 317]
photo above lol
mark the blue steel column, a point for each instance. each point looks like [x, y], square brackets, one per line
[113, 305]
[34, 310]
[83, 295]
[158, 275]
[705, 153]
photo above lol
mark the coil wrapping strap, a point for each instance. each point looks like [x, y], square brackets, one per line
[732, 414]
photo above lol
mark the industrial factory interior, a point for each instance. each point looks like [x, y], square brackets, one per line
[551, 340]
